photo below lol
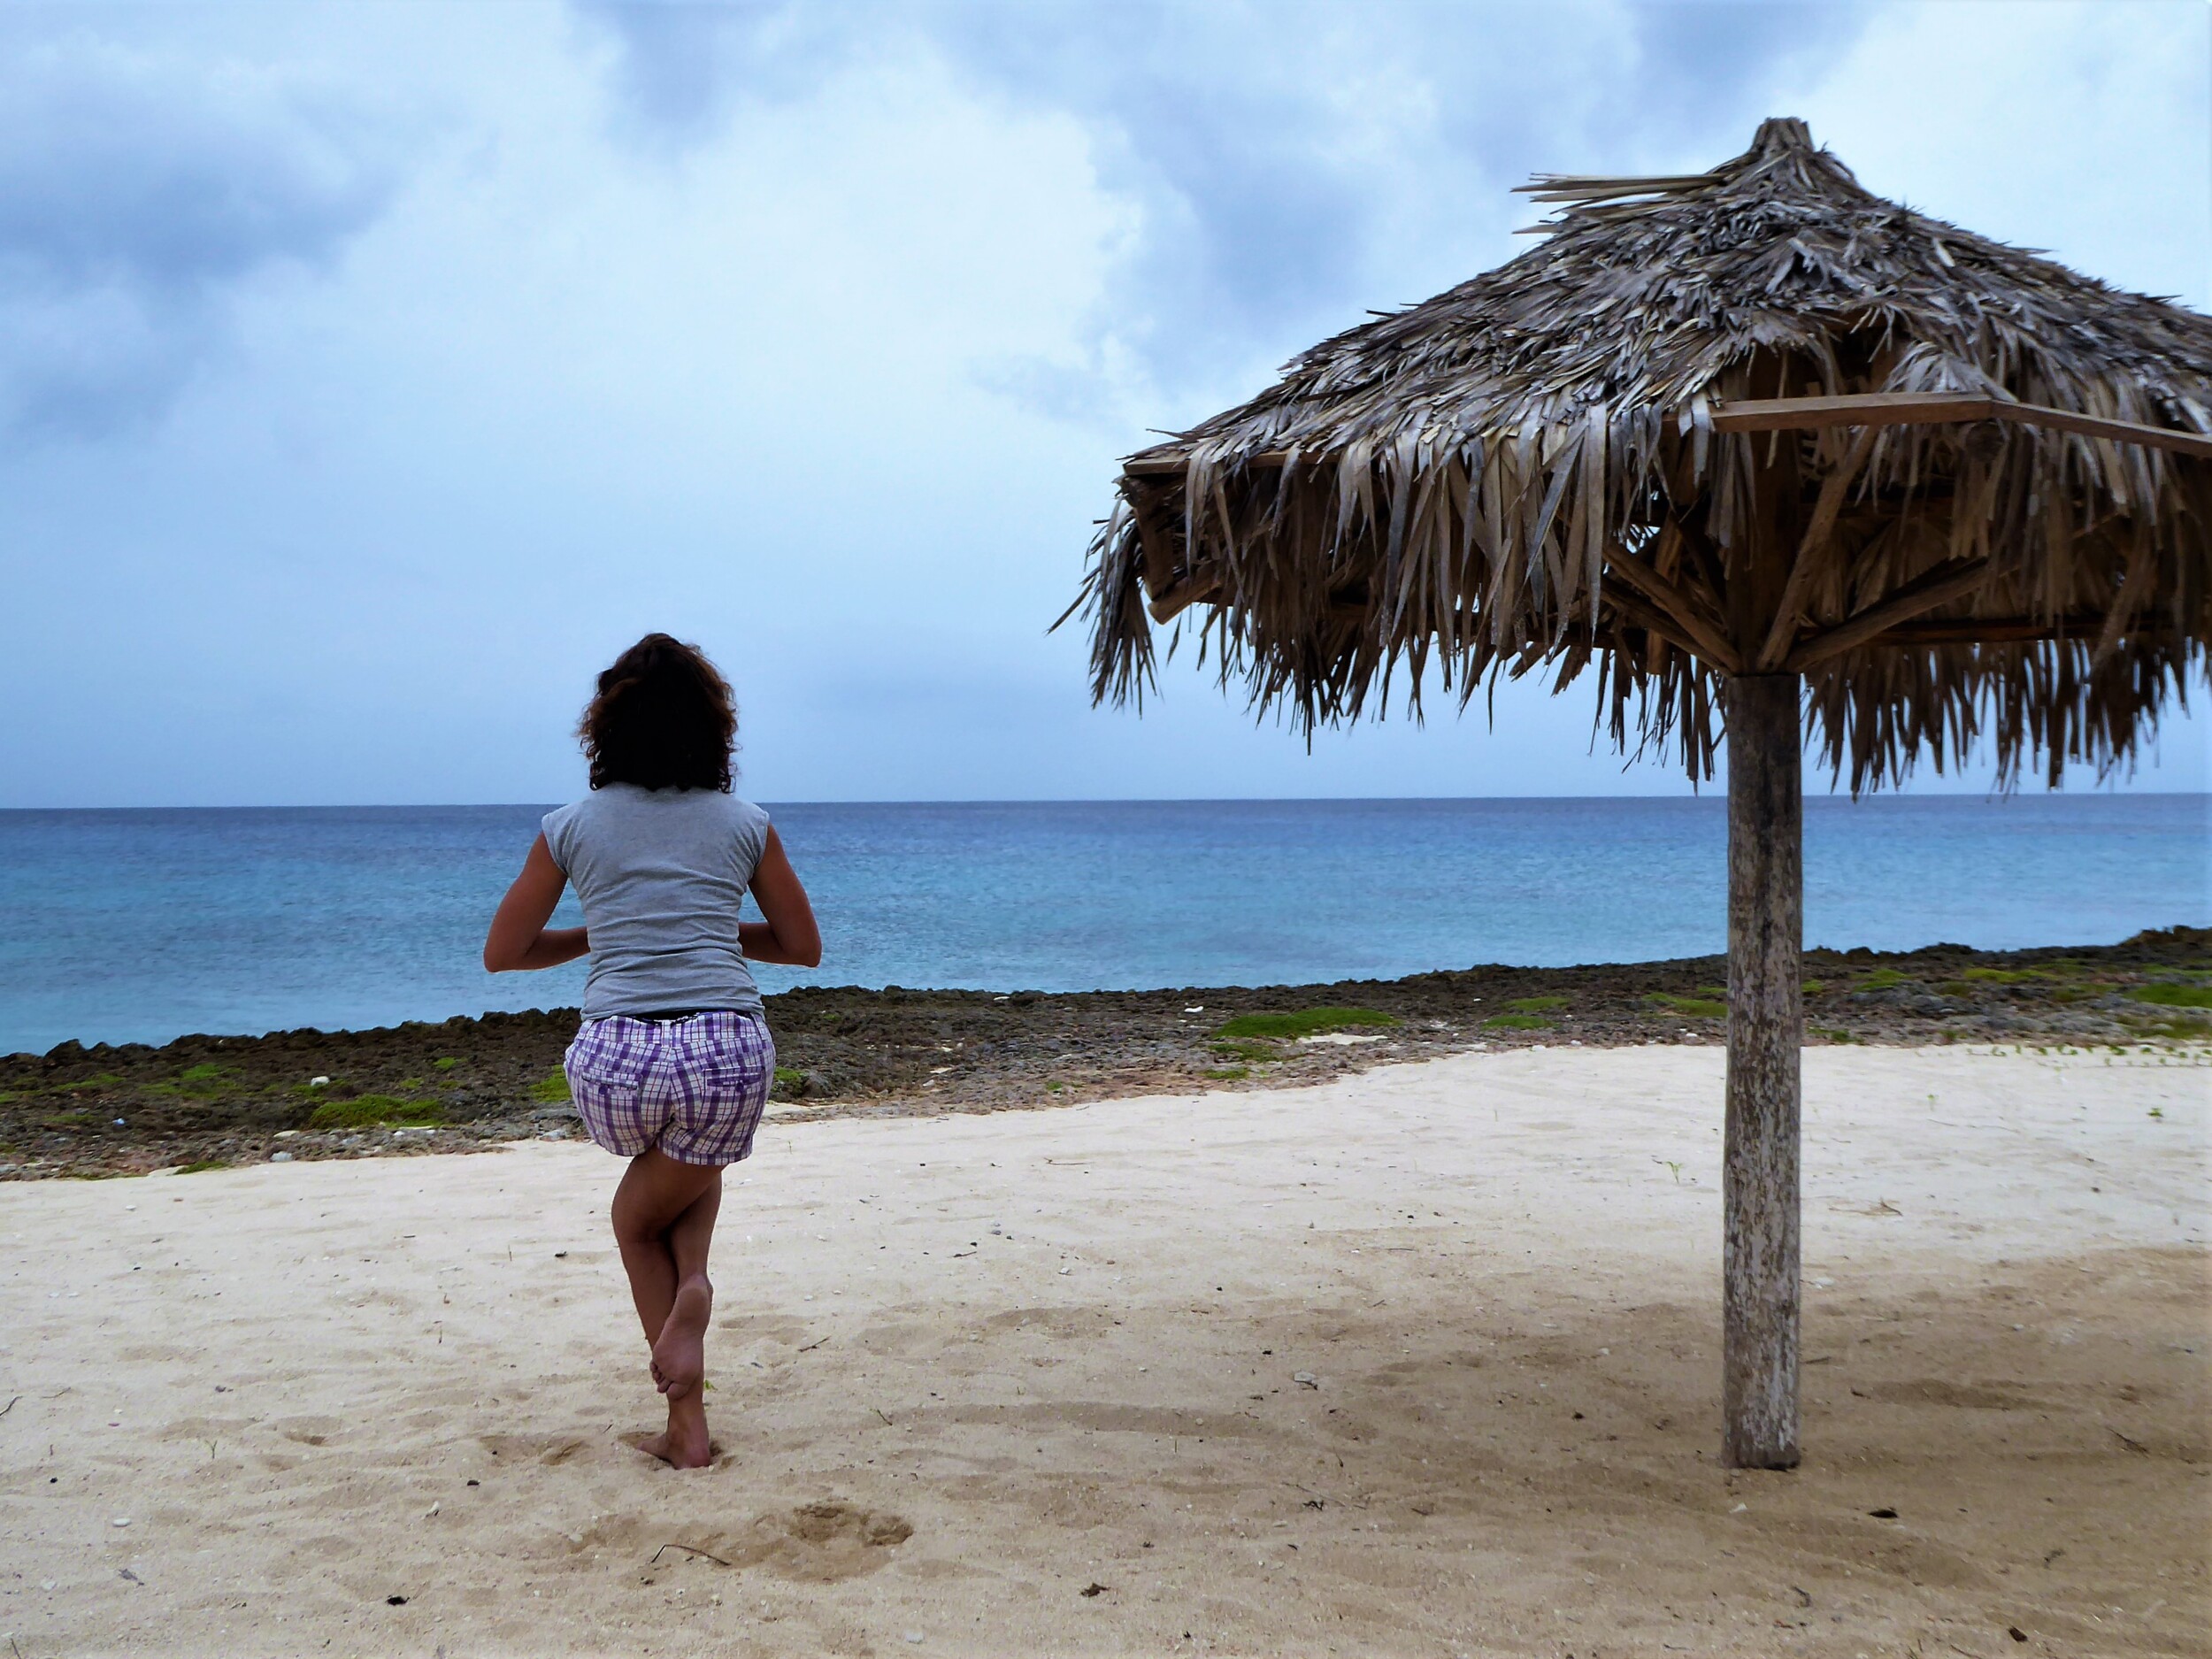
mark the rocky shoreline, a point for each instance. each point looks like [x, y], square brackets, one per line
[462, 1084]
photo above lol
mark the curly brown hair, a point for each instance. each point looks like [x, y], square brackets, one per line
[663, 719]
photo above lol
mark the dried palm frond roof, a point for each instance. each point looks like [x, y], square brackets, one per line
[1560, 462]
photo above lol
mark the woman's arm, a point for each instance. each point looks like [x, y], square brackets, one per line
[519, 937]
[790, 934]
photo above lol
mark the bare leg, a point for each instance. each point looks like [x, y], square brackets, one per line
[661, 1204]
[679, 1358]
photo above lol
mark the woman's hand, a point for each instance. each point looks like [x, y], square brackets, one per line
[519, 937]
[788, 934]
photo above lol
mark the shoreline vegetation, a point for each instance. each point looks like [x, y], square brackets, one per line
[465, 1084]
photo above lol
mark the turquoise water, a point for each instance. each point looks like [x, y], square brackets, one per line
[143, 926]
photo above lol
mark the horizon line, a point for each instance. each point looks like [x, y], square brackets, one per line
[1715, 794]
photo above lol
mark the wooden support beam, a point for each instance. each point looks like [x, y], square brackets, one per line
[1857, 408]
[1704, 579]
[2086, 624]
[1158, 551]
[1192, 590]
[1708, 641]
[1651, 619]
[1811, 548]
[1932, 409]
[1766, 1030]
[1155, 465]
[1951, 580]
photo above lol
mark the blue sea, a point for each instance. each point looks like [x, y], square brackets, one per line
[143, 926]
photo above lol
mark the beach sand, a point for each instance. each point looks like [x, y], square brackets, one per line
[1419, 1361]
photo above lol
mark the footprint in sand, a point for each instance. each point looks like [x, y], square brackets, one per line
[822, 1542]
[308, 1430]
[761, 1326]
[1935, 1391]
[552, 1451]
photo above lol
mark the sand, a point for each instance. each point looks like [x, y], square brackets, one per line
[1420, 1361]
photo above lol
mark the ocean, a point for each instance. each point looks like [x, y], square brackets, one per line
[143, 926]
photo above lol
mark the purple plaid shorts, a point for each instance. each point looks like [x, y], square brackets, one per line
[696, 1088]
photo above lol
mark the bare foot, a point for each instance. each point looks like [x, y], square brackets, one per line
[679, 1358]
[684, 1443]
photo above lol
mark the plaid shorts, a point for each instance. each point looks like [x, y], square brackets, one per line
[696, 1088]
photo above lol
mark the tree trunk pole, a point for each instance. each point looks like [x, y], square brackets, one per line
[1766, 1017]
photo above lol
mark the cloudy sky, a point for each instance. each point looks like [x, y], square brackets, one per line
[369, 374]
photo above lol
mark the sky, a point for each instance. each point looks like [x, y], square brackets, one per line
[370, 375]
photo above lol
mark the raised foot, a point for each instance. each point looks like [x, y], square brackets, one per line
[679, 1355]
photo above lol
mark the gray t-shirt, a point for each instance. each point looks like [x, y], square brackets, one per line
[661, 874]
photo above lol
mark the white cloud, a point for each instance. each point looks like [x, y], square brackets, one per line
[814, 334]
[136, 188]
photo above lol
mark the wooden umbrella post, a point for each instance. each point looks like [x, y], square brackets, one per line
[1766, 1012]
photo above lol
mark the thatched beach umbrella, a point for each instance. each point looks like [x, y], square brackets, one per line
[1748, 441]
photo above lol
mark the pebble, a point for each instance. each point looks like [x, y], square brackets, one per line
[279, 1157]
[121, 1520]
[1307, 1379]
[317, 1082]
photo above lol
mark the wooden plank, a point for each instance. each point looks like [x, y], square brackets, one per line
[1951, 580]
[1925, 408]
[1703, 576]
[1192, 590]
[1999, 630]
[1158, 551]
[1754, 577]
[1810, 549]
[2118, 430]
[1709, 644]
[1155, 465]
[1650, 618]
[1759, 1293]
[1857, 408]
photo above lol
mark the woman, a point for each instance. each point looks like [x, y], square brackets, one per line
[671, 1065]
